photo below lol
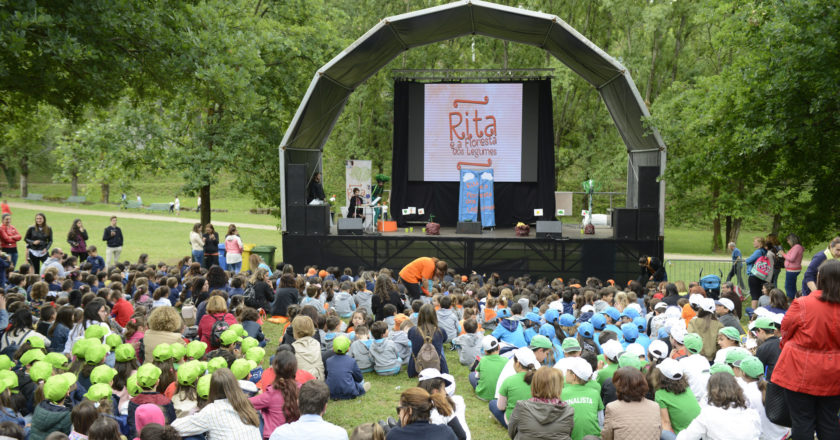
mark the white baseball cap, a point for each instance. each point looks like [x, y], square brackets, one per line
[726, 302]
[678, 333]
[580, 368]
[708, 305]
[658, 349]
[671, 369]
[661, 305]
[673, 312]
[694, 299]
[761, 311]
[635, 306]
[777, 318]
[489, 343]
[450, 389]
[587, 308]
[433, 373]
[526, 357]
[612, 349]
[636, 349]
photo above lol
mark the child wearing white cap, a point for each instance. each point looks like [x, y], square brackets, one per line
[611, 349]
[676, 400]
[516, 387]
[589, 408]
[724, 308]
[487, 372]
[705, 325]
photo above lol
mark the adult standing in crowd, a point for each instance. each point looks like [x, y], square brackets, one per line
[807, 366]
[809, 280]
[211, 246]
[233, 249]
[416, 275]
[9, 236]
[737, 265]
[77, 239]
[775, 246]
[197, 244]
[793, 264]
[753, 281]
[113, 236]
[38, 239]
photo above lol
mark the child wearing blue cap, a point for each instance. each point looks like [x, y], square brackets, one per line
[510, 330]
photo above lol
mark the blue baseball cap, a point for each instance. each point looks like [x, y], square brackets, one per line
[598, 321]
[613, 313]
[547, 330]
[567, 320]
[533, 317]
[503, 313]
[586, 330]
[641, 323]
[585, 317]
[551, 315]
[630, 312]
[664, 333]
[631, 333]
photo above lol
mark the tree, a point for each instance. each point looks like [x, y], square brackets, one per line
[29, 133]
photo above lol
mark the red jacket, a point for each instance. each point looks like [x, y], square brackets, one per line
[810, 347]
[122, 311]
[9, 236]
[205, 326]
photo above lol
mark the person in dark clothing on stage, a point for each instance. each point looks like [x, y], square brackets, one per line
[355, 209]
[316, 189]
[651, 269]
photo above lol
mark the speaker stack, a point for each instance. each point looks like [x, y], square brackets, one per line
[350, 226]
[296, 199]
[648, 191]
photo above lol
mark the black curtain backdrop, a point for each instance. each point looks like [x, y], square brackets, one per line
[515, 202]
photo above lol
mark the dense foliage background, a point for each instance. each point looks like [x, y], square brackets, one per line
[111, 92]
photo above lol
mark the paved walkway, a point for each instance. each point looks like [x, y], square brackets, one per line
[128, 214]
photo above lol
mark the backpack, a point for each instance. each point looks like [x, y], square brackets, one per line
[761, 268]
[189, 312]
[427, 356]
[216, 331]
[250, 296]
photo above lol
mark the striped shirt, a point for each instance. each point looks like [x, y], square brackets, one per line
[220, 421]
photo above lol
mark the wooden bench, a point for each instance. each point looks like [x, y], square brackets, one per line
[131, 205]
[34, 197]
[158, 207]
[76, 199]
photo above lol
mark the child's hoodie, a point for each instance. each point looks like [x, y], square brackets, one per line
[385, 355]
[360, 351]
[49, 417]
[363, 301]
[448, 322]
[343, 304]
[308, 355]
[510, 331]
[400, 338]
[469, 347]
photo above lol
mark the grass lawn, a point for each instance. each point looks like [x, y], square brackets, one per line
[384, 396]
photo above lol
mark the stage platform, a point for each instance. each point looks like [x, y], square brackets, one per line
[500, 250]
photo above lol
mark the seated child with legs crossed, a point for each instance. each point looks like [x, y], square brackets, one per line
[386, 357]
[344, 378]
[360, 349]
[469, 344]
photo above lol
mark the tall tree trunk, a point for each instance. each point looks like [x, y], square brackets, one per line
[777, 224]
[716, 237]
[10, 175]
[736, 229]
[653, 55]
[729, 229]
[505, 56]
[106, 193]
[74, 184]
[678, 47]
[24, 176]
[204, 193]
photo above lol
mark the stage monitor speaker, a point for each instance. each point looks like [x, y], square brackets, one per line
[624, 223]
[317, 220]
[648, 224]
[648, 188]
[468, 228]
[549, 229]
[295, 185]
[350, 226]
[296, 219]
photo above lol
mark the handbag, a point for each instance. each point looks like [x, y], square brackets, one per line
[776, 406]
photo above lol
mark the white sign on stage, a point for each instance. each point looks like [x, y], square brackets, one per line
[357, 175]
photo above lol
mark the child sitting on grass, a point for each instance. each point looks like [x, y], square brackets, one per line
[344, 378]
[343, 302]
[400, 338]
[307, 349]
[360, 349]
[469, 344]
[386, 358]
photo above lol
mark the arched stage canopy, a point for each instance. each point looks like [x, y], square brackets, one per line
[333, 83]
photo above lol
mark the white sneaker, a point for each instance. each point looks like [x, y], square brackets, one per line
[366, 386]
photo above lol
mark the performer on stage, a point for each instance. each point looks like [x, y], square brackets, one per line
[355, 209]
[416, 275]
[316, 189]
[378, 191]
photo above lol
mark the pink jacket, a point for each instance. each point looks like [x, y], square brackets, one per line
[233, 245]
[270, 405]
[793, 258]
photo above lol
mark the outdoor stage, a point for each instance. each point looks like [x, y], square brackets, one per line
[573, 255]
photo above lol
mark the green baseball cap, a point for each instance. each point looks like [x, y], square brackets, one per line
[31, 356]
[693, 343]
[113, 340]
[147, 376]
[216, 363]
[81, 346]
[240, 331]
[6, 362]
[764, 323]
[721, 368]
[40, 370]
[57, 387]
[95, 354]
[178, 351]
[202, 387]
[629, 360]
[196, 349]
[36, 342]
[102, 374]
[241, 368]
[341, 344]
[751, 366]
[257, 354]
[10, 378]
[730, 333]
[124, 353]
[95, 331]
[229, 337]
[98, 391]
[571, 345]
[131, 385]
[540, 341]
[249, 343]
[57, 360]
[733, 356]
[162, 352]
[189, 373]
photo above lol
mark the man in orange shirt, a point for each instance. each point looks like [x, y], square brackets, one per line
[416, 274]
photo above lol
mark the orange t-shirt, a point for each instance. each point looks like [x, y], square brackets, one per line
[489, 314]
[418, 270]
[688, 313]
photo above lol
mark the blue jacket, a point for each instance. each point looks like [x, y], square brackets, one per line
[254, 330]
[342, 376]
[59, 337]
[510, 331]
[811, 272]
[97, 263]
[752, 258]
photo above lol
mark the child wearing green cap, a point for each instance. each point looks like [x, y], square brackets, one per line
[344, 378]
[163, 360]
[185, 398]
[51, 415]
[750, 372]
[148, 376]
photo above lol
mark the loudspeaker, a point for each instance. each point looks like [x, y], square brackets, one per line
[295, 185]
[624, 223]
[350, 226]
[296, 219]
[317, 219]
[468, 228]
[648, 188]
[549, 229]
[648, 224]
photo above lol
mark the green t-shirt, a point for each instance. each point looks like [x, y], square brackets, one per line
[489, 368]
[515, 389]
[586, 402]
[682, 408]
[606, 372]
[594, 385]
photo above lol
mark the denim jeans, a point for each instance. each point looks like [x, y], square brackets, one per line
[198, 257]
[235, 267]
[790, 283]
[499, 414]
[473, 379]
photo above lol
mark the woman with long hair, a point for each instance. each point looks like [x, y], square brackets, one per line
[727, 415]
[427, 327]
[287, 294]
[77, 239]
[414, 411]
[263, 293]
[256, 262]
[793, 264]
[233, 249]
[228, 414]
[60, 328]
[279, 403]
[38, 238]
[384, 292]
[211, 246]
[197, 244]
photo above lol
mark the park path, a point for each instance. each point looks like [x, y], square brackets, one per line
[134, 215]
